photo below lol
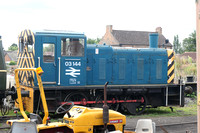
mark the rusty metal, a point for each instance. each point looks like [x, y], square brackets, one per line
[105, 108]
[165, 131]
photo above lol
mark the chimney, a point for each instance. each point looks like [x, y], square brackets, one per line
[153, 40]
[109, 28]
[159, 30]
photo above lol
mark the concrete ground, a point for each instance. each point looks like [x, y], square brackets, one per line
[131, 122]
[166, 122]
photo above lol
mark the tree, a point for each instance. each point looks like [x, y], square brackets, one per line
[93, 41]
[13, 47]
[177, 45]
[189, 44]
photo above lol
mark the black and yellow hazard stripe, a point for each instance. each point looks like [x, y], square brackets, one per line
[25, 57]
[170, 71]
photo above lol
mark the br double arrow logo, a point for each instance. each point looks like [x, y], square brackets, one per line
[72, 72]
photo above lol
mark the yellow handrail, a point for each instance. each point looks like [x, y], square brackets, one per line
[3, 71]
[38, 72]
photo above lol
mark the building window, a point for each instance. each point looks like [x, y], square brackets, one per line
[48, 52]
[72, 47]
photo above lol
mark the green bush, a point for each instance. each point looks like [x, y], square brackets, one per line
[12, 63]
[190, 70]
[184, 61]
[184, 67]
[193, 95]
[189, 59]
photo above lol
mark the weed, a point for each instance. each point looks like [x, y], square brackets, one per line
[193, 95]
[166, 112]
[184, 66]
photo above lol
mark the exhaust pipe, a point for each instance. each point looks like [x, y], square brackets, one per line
[153, 40]
[105, 109]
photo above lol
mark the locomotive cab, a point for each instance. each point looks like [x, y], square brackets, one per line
[62, 54]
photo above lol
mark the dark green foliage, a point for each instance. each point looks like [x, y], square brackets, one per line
[93, 41]
[13, 47]
[177, 45]
[189, 44]
[12, 63]
[193, 95]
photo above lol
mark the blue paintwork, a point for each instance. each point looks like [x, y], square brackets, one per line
[101, 63]
[51, 70]
[153, 40]
[126, 66]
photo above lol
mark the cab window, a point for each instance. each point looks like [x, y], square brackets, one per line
[21, 44]
[30, 48]
[48, 52]
[72, 47]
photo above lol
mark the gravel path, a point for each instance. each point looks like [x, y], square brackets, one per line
[161, 121]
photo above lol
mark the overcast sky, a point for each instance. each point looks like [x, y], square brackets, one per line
[92, 16]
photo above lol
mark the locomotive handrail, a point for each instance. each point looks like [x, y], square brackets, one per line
[38, 72]
[3, 71]
[38, 61]
[59, 71]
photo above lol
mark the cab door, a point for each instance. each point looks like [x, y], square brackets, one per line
[72, 62]
[48, 60]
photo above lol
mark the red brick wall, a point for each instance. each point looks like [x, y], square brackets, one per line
[7, 58]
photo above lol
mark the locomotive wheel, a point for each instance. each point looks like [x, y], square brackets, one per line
[76, 97]
[136, 108]
[3, 108]
[113, 106]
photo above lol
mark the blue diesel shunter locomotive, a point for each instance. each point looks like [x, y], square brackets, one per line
[77, 71]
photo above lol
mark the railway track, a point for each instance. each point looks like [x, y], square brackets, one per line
[3, 119]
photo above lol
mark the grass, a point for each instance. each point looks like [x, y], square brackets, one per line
[11, 113]
[189, 110]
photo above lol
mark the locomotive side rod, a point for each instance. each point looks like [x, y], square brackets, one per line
[84, 102]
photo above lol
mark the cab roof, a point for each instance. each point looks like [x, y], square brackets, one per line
[57, 32]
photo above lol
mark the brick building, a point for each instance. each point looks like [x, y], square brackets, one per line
[10, 56]
[136, 39]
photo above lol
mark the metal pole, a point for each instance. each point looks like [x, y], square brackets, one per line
[105, 109]
[198, 62]
[167, 96]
